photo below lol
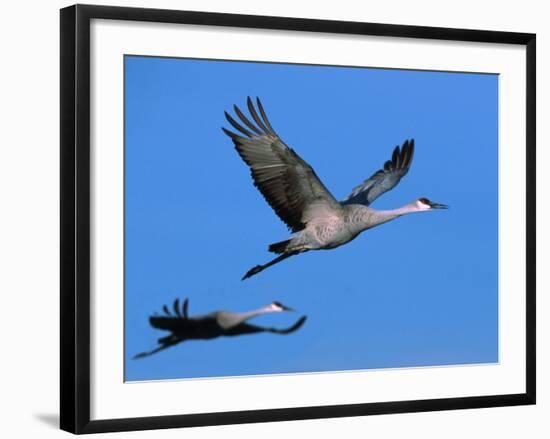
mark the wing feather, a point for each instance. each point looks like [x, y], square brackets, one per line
[384, 179]
[237, 125]
[185, 309]
[288, 183]
[169, 321]
[177, 307]
[166, 323]
[250, 125]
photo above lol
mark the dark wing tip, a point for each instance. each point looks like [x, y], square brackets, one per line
[237, 125]
[264, 117]
[260, 125]
[247, 122]
[297, 325]
[185, 308]
[406, 154]
[177, 307]
[396, 157]
[231, 134]
[410, 153]
[259, 122]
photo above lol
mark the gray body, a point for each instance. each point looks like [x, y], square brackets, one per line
[329, 231]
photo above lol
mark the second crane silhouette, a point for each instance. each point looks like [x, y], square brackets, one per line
[301, 200]
[216, 324]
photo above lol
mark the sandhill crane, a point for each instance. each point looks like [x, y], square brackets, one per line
[212, 325]
[301, 200]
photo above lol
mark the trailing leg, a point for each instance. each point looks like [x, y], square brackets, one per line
[258, 268]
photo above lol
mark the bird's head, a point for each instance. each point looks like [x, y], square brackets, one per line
[425, 204]
[279, 307]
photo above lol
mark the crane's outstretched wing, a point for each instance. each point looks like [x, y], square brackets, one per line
[171, 322]
[384, 179]
[247, 328]
[286, 181]
[167, 323]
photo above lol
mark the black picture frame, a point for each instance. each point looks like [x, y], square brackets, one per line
[75, 217]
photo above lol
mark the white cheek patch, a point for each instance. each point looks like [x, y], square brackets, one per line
[422, 205]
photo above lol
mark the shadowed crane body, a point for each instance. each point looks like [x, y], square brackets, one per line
[292, 188]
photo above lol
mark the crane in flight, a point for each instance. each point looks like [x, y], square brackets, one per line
[294, 191]
[211, 325]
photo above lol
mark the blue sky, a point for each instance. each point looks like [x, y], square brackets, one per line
[419, 291]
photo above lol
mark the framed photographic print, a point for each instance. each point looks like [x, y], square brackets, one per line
[268, 218]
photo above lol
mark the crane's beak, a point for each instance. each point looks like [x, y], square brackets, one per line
[438, 206]
[282, 307]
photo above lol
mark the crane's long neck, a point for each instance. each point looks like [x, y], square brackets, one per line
[242, 316]
[373, 217]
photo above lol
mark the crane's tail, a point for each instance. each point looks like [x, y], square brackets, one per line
[258, 268]
[279, 247]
